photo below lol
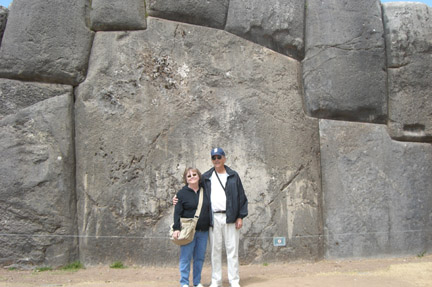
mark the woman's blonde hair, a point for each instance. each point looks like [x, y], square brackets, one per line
[192, 169]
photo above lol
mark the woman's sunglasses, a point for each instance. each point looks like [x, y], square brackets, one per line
[216, 157]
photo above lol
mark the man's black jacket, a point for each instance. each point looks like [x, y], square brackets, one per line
[237, 203]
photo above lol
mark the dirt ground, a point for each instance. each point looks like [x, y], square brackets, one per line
[394, 272]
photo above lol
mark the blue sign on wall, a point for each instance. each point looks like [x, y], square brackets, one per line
[279, 241]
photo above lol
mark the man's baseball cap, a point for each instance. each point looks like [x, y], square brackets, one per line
[217, 151]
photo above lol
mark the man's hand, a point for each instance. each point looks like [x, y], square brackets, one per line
[239, 223]
[175, 200]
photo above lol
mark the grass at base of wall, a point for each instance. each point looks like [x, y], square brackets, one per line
[117, 265]
[74, 266]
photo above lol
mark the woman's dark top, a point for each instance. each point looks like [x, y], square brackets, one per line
[187, 205]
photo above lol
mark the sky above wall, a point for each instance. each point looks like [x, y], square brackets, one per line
[5, 3]
[428, 2]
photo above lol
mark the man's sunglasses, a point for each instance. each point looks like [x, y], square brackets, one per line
[216, 157]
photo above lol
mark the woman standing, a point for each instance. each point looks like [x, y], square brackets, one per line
[186, 207]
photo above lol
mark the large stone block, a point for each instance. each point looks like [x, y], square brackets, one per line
[16, 95]
[46, 40]
[37, 194]
[198, 12]
[275, 24]
[3, 19]
[344, 70]
[158, 100]
[118, 15]
[409, 58]
[377, 192]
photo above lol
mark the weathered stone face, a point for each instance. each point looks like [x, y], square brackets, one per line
[38, 206]
[377, 192]
[344, 67]
[409, 57]
[157, 101]
[47, 41]
[198, 12]
[118, 15]
[278, 24]
[16, 95]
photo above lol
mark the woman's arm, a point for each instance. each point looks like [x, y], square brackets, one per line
[178, 212]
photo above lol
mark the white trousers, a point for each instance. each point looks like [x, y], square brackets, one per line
[228, 233]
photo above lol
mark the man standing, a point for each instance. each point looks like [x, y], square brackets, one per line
[229, 206]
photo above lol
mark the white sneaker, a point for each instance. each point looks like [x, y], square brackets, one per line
[185, 285]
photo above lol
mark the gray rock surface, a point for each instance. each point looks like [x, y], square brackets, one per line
[377, 192]
[16, 95]
[344, 67]
[118, 15]
[37, 198]
[47, 41]
[278, 25]
[163, 99]
[3, 19]
[409, 57]
[199, 12]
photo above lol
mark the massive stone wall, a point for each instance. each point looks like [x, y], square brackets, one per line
[103, 103]
[377, 196]
[409, 57]
[47, 41]
[344, 69]
[161, 104]
[38, 205]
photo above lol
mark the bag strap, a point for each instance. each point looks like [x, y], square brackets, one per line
[220, 181]
[200, 201]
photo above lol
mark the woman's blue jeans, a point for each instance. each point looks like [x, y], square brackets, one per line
[195, 250]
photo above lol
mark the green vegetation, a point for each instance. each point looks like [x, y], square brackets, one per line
[422, 254]
[74, 266]
[117, 265]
